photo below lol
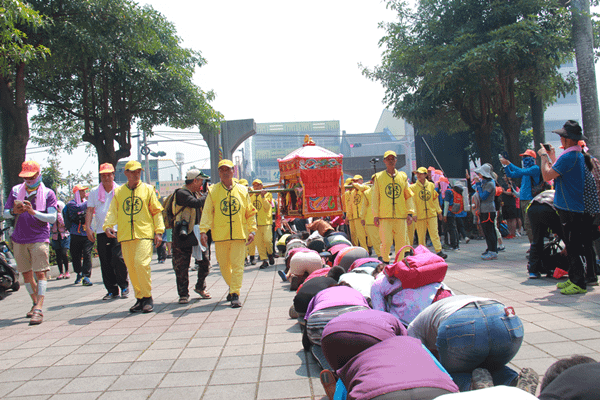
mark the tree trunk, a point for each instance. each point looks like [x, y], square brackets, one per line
[586, 72]
[537, 120]
[511, 127]
[14, 129]
[484, 145]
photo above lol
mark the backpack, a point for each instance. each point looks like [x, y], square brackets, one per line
[540, 187]
[167, 211]
[458, 205]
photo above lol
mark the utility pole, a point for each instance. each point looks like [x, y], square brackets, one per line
[146, 163]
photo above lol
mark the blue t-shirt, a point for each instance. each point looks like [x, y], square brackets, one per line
[569, 185]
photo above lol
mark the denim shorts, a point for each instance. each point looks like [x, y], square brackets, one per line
[479, 335]
[64, 243]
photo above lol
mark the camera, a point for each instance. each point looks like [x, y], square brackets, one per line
[183, 229]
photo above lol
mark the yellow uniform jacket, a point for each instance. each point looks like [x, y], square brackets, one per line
[426, 200]
[356, 200]
[391, 197]
[264, 208]
[345, 205]
[229, 214]
[137, 211]
[366, 212]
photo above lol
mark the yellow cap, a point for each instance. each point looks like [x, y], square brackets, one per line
[258, 181]
[243, 182]
[389, 153]
[133, 166]
[422, 170]
[226, 163]
[357, 177]
[348, 181]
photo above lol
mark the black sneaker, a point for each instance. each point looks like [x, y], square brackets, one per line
[252, 260]
[592, 281]
[442, 254]
[228, 297]
[148, 305]
[264, 265]
[235, 301]
[271, 259]
[137, 307]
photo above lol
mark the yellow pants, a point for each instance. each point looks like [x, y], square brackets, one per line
[263, 241]
[359, 233]
[392, 231]
[230, 256]
[373, 235]
[431, 225]
[137, 255]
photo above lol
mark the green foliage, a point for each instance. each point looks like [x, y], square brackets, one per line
[461, 65]
[51, 175]
[14, 45]
[56, 135]
[114, 63]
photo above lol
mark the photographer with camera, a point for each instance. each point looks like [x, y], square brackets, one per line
[187, 208]
[81, 248]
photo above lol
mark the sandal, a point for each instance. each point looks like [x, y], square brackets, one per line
[573, 289]
[203, 293]
[30, 312]
[37, 317]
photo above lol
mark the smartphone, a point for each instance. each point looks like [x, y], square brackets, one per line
[500, 157]
[546, 146]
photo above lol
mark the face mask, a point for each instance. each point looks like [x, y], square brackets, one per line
[528, 162]
[34, 184]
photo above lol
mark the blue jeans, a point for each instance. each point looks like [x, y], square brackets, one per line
[479, 336]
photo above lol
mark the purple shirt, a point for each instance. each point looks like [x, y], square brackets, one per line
[395, 364]
[29, 229]
[378, 324]
[335, 296]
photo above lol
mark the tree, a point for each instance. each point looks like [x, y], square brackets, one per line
[17, 50]
[583, 41]
[51, 175]
[114, 64]
[463, 65]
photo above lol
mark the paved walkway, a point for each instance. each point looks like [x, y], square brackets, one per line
[93, 349]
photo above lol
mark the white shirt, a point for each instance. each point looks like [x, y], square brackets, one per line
[100, 209]
[492, 393]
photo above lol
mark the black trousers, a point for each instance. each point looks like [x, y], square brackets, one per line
[489, 230]
[114, 270]
[542, 218]
[450, 228]
[81, 248]
[181, 265]
[578, 239]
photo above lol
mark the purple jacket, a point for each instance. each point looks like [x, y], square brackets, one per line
[397, 363]
[335, 296]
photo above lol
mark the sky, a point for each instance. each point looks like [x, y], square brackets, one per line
[274, 61]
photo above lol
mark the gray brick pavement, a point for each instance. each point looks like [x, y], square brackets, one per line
[93, 349]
